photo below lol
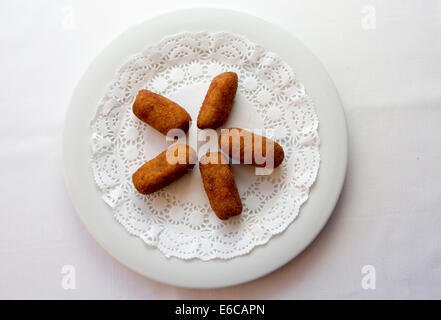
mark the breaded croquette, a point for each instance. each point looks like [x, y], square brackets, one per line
[160, 112]
[218, 101]
[219, 185]
[167, 167]
[250, 148]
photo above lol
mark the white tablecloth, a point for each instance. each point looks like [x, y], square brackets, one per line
[385, 59]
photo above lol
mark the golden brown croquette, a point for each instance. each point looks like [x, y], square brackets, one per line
[167, 167]
[218, 101]
[219, 185]
[160, 112]
[243, 145]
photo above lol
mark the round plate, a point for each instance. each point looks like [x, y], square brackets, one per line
[148, 261]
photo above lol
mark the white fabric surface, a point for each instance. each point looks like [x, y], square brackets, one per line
[389, 214]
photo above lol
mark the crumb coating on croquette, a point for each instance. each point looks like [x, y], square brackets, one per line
[220, 186]
[160, 112]
[218, 101]
[236, 141]
[160, 172]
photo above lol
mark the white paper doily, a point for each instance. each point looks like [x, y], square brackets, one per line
[178, 220]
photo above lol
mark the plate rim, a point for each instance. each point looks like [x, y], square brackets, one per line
[148, 261]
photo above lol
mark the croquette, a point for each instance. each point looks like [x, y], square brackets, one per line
[160, 112]
[167, 167]
[250, 148]
[219, 185]
[218, 101]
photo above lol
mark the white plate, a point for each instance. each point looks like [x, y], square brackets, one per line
[148, 261]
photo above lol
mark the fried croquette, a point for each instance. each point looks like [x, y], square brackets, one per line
[218, 101]
[250, 148]
[160, 112]
[167, 167]
[219, 185]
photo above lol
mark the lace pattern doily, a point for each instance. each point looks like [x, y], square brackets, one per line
[178, 220]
